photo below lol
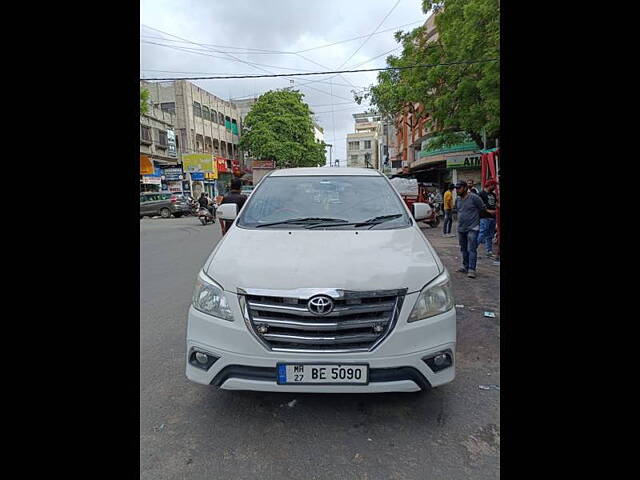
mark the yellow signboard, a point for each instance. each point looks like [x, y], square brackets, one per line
[146, 165]
[197, 162]
[214, 174]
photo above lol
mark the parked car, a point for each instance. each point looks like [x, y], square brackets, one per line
[323, 283]
[163, 204]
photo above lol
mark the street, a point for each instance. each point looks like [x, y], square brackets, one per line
[191, 431]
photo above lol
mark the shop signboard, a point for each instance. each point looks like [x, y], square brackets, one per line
[197, 176]
[221, 164]
[264, 164]
[173, 174]
[197, 162]
[172, 151]
[464, 161]
[211, 176]
[150, 180]
[174, 187]
[146, 165]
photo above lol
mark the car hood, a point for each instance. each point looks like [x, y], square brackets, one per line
[289, 259]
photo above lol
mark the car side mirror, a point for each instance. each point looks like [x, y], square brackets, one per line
[227, 211]
[421, 211]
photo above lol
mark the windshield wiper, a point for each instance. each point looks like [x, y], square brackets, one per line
[372, 221]
[314, 220]
[379, 219]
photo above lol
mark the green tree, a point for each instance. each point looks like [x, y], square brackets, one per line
[458, 98]
[144, 101]
[279, 127]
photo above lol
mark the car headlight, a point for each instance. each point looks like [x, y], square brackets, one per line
[434, 299]
[209, 298]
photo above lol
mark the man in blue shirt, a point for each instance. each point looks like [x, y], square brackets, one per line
[470, 207]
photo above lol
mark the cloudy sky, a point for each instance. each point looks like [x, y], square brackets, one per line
[183, 38]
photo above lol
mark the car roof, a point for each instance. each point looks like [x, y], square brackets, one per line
[324, 171]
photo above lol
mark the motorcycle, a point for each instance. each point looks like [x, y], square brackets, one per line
[434, 219]
[205, 216]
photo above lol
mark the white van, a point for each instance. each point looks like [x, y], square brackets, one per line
[324, 283]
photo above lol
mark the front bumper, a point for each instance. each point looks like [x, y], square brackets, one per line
[396, 365]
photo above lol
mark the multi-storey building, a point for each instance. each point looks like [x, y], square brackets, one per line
[205, 123]
[158, 149]
[362, 145]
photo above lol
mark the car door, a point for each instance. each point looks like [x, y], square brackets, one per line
[146, 206]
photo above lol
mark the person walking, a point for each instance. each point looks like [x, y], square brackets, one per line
[234, 196]
[488, 217]
[469, 206]
[448, 210]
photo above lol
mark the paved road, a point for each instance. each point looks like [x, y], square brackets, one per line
[190, 431]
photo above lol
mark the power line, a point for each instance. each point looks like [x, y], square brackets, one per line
[251, 64]
[370, 35]
[359, 37]
[286, 75]
[281, 52]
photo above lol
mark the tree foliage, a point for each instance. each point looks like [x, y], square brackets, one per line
[457, 98]
[279, 127]
[144, 101]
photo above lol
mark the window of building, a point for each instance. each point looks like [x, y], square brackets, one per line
[145, 133]
[223, 149]
[197, 109]
[385, 129]
[354, 145]
[162, 138]
[220, 118]
[367, 144]
[168, 107]
[227, 122]
[207, 144]
[205, 113]
[199, 143]
[214, 116]
[385, 150]
[354, 158]
[216, 146]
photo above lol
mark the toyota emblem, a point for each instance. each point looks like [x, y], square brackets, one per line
[320, 305]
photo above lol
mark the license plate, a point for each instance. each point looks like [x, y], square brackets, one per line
[322, 374]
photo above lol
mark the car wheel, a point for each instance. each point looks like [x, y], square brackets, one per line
[165, 213]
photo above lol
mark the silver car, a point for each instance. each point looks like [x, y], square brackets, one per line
[163, 204]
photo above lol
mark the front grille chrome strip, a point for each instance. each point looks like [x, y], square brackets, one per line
[324, 340]
[337, 312]
[300, 325]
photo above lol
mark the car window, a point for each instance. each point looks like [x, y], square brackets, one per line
[351, 198]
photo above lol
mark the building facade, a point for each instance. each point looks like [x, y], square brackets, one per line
[362, 145]
[158, 151]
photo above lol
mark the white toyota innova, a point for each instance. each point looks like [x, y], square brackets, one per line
[324, 283]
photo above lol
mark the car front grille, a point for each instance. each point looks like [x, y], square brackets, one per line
[359, 321]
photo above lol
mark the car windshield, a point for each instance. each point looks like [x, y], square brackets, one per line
[336, 202]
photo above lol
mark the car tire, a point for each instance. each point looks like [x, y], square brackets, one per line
[165, 213]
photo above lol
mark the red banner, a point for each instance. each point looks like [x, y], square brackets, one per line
[222, 164]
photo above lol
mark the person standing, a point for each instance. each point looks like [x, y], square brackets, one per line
[488, 217]
[234, 196]
[469, 207]
[448, 210]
